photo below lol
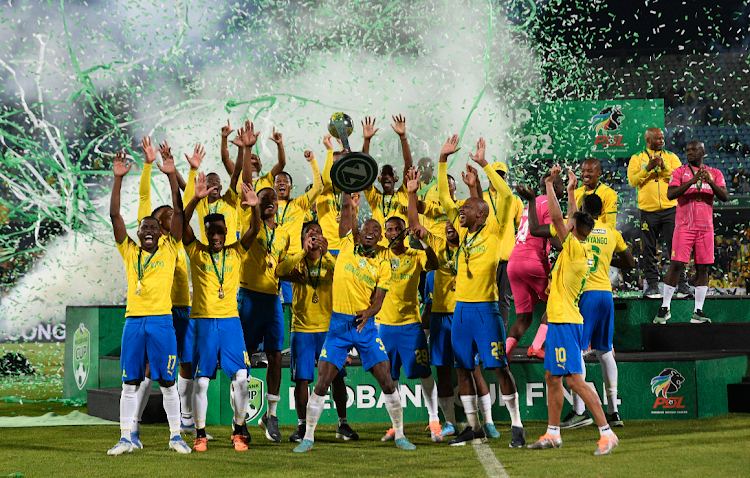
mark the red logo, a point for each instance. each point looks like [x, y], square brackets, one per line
[609, 141]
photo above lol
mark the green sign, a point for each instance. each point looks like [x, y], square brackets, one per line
[576, 130]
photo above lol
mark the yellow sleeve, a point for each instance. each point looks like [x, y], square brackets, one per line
[327, 169]
[636, 174]
[373, 197]
[518, 212]
[309, 198]
[620, 244]
[444, 192]
[144, 192]
[610, 208]
[190, 187]
[289, 263]
[504, 197]
[384, 275]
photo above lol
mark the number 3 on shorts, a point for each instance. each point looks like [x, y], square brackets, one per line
[382, 345]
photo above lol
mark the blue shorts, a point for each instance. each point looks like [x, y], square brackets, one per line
[262, 320]
[286, 292]
[405, 345]
[562, 354]
[305, 349]
[216, 343]
[343, 335]
[149, 339]
[441, 350]
[598, 311]
[183, 328]
[478, 328]
[429, 287]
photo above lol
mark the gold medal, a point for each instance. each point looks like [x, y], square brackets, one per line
[138, 289]
[270, 264]
[221, 292]
[338, 217]
[315, 298]
[453, 285]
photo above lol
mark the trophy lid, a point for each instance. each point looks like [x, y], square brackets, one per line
[347, 122]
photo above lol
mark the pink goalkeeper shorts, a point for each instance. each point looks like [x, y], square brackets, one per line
[528, 282]
[686, 240]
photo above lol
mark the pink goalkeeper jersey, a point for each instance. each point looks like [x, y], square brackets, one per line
[528, 247]
[695, 208]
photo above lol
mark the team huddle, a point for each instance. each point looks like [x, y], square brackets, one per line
[360, 287]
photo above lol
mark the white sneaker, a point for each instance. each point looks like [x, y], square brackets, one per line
[122, 446]
[178, 444]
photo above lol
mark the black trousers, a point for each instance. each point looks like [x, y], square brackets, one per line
[504, 293]
[657, 227]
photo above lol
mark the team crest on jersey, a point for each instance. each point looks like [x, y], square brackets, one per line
[395, 263]
[362, 262]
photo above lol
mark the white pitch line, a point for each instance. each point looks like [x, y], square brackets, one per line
[490, 462]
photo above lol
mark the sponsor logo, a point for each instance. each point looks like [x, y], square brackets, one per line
[605, 125]
[667, 383]
[256, 398]
[81, 356]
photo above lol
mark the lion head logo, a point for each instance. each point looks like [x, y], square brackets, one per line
[608, 119]
[668, 381]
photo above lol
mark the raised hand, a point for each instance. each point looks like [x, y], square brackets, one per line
[226, 130]
[356, 198]
[368, 127]
[309, 243]
[249, 198]
[250, 136]
[470, 176]
[654, 161]
[167, 166]
[201, 188]
[197, 158]
[166, 151]
[400, 126]
[553, 174]
[120, 165]
[276, 137]
[309, 156]
[419, 231]
[450, 146]
[239, 141]
[322, 243]
[525, 192]
[572, 179]
[479, 156]
[148, 150]
[327, 142]
[412, 180]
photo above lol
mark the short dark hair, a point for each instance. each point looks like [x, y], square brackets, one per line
[289, 176]
[215, 217]
[156, 211]
[396, 218]
[584, 222]
[212, 174]
[592, 204]
[265, 189]
[306, 226]
[149, 217]
[451, 177]
[389, 168]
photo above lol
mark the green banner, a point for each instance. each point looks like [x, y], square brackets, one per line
[574, 130]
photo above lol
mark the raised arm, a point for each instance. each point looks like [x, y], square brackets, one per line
[471, 180]
[555, 213]
[120, 169]
[412, 187]
[368, 131]
[347, 216]
[504, 194]
[281, 157]
[572, 204]
[450, 147]
[250, 199]
[247, 137]
[535, 229]
[400, 128]
[144, 191]
[201, 191]
[317, 186]
[225, 132]
[195, 163]
[329, 162]
[168, 167]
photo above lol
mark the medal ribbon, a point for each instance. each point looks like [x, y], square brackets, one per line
[216, 270]
[142, 270]
[309, 276]
[269, 241]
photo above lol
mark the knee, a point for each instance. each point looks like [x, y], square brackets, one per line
[134, 383]
[165, 383]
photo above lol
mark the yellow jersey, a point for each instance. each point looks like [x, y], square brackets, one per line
[329, 206]
[290, 214]
[312, 301]
[261, 259]
[264, 181]
[205, 268]
[228, 205]
[609, 202]
[444, 285]
[357, 277]
[652, 185]
[603, 242]
[386, 206]
[568, 278]
[181, 283]
[509, 235]
[157, 275]
[401, 303]
[478, 254]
